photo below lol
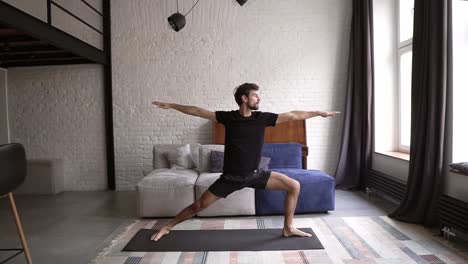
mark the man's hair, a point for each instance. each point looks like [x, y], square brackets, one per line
[244, 89]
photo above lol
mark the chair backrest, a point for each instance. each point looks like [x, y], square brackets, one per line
[283, 155]
[12, 167]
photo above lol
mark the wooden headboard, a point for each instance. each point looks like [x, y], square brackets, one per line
[291, 131]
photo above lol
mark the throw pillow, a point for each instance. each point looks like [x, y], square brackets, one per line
[204, 156]
[180, 158]
[460, 167]
[217, 162]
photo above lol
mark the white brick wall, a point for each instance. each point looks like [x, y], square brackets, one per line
[295, 50]
[58, 112]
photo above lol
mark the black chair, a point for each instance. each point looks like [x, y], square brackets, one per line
[12, 174]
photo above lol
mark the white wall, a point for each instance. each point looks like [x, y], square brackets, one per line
[3, 107]
[65, 22]
[297, 51]
[58, 113]
[457, 186]
[395, 167]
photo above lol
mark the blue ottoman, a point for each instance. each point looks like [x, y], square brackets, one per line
[317, 188]
[317, 193]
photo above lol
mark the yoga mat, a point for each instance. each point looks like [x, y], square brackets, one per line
[222, 240]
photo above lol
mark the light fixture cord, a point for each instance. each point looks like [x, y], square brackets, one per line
[191, 8]
[177, 3]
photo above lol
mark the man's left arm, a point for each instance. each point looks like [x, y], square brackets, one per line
[302, 115]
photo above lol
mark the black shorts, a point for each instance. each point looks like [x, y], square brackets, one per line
[228, 183]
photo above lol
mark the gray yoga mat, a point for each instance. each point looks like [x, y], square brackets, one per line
[222, 240]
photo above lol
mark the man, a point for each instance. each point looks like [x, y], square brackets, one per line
[244, 132]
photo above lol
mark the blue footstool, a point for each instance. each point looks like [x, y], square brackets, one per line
[317, 188]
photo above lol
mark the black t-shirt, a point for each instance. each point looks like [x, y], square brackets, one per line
[243, 139]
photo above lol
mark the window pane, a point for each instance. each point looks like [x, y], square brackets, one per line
[460, 81]
[405, 98]
[406, 19]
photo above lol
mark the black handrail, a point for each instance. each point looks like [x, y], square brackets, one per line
[92, 7]
[49, 12]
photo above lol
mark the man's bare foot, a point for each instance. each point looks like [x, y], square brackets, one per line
[287, 232]
[157, 235]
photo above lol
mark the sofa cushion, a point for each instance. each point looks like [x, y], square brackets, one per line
[240, 202]
[180, 158]
[165, 192]
[283, 155]
[160, 154]
[317, 193]
[204, 156]
[168, 179]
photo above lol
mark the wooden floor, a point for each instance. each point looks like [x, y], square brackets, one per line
[74, 227]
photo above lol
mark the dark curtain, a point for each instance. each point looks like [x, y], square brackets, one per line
[357, 140]
[430, 112]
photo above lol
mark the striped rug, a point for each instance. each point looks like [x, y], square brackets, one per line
[348, 240]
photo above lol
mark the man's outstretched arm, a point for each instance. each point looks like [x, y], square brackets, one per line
[188, 109]
[302, 115]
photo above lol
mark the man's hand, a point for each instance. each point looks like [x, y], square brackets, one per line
[327, 114]
[162, 105]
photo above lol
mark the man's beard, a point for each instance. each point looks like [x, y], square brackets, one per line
[253, 107]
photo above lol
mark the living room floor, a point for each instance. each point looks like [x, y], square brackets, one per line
[73, 227]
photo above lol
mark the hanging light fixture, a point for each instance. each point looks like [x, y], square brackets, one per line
[177, 20]
[241, 2]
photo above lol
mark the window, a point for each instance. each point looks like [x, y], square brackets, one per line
[405, 48]
[460, 80]
[405, 59]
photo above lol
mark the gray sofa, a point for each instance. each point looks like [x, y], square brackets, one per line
[165, 191]
[182, 174]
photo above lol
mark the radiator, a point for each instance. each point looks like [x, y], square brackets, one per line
[453, 215]
[453, 212]
[391, 187]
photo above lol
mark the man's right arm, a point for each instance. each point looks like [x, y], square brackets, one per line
[188, 109]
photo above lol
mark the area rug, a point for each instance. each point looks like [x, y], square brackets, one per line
[348, 240]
